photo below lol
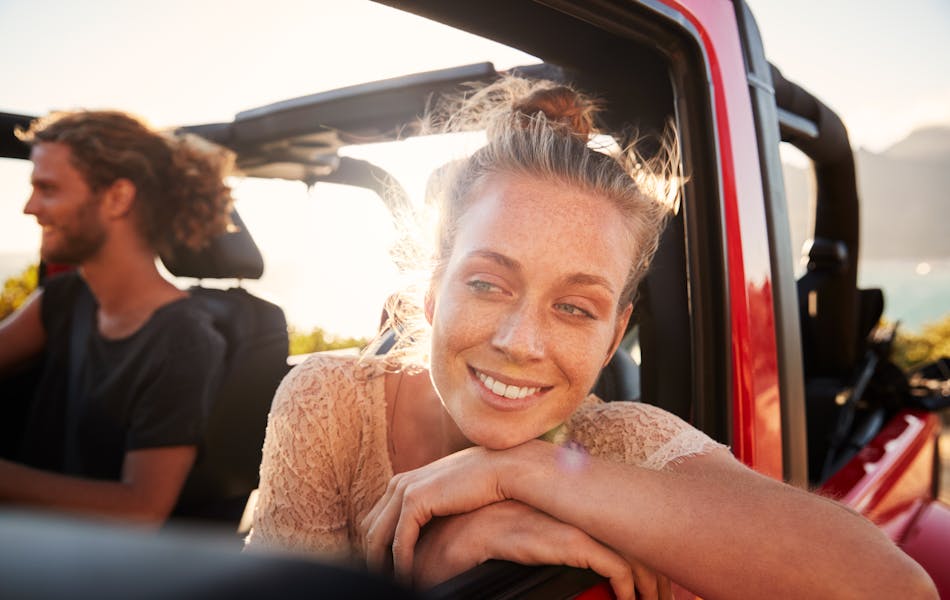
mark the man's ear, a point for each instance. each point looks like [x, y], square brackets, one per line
[621, 327]
[119, 198]
[429, 303]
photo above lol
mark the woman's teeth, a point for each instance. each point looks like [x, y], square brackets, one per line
[512, 392]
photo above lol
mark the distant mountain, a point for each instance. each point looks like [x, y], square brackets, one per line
[930, 144]
[904, 193]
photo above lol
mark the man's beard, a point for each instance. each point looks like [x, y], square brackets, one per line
[79, 240]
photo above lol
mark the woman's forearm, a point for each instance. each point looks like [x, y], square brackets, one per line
[720, 530]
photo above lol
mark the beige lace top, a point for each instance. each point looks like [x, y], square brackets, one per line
[326, 461]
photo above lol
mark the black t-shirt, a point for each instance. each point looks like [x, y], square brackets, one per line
[153, 388]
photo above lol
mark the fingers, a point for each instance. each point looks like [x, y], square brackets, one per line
[391, 529]
[519, 533]
[377, 527]
[650, 585]
[537, 538]
[645, 582]
[446, 547]
[609, 564]
[664, 587]
[459, 483]
[412, 517]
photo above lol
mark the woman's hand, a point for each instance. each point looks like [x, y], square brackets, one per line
[510, 530]
[462, 484]
[458, 483]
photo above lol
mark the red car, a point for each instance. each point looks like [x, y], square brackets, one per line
[792, 373]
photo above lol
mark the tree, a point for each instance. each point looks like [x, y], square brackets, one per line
[17, 289]
[317, 340]
[912, 350]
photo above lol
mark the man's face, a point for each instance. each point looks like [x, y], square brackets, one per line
[64, 206]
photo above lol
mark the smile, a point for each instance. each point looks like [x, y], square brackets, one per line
[512, 392]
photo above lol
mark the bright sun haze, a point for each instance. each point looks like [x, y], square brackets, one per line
[326, 249]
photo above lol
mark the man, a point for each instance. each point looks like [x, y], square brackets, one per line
[130, 364]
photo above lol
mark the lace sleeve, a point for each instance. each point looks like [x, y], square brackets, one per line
[637, 433]
[301, 504]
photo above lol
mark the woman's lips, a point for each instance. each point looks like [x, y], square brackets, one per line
[512, 392]
[507, 395]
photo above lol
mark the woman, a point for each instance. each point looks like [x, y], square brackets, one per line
[541, 245]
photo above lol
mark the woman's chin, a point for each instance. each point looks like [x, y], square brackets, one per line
[503, 445]
[492, 439]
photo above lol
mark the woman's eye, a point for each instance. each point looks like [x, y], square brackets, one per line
[477, 285]
[573, 310]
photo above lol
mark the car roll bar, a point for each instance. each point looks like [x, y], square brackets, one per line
[830, 305]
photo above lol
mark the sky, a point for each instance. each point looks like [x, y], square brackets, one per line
[883, 66]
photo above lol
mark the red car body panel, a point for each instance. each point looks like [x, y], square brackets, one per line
[891, 481]
[891, 478]
[926, 542]
[756, 436]
[601, 591]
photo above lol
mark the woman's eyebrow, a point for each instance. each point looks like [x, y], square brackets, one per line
[588, 279]
[501, 259]
[580, 278]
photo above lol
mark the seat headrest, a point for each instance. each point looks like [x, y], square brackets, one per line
[231, 255]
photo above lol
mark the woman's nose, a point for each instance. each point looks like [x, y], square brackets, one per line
[520, 335]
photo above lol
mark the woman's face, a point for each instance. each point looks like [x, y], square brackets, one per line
[525, 315]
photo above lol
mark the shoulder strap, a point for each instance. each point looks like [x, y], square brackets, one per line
[79, 329]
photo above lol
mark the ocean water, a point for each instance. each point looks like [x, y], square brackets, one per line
[916, 293]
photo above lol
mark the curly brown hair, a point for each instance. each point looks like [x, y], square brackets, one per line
[181, 196]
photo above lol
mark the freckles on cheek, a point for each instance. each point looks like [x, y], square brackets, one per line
[586, 349]
[585, 358]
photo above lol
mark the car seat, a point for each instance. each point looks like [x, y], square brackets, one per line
[228, 463]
